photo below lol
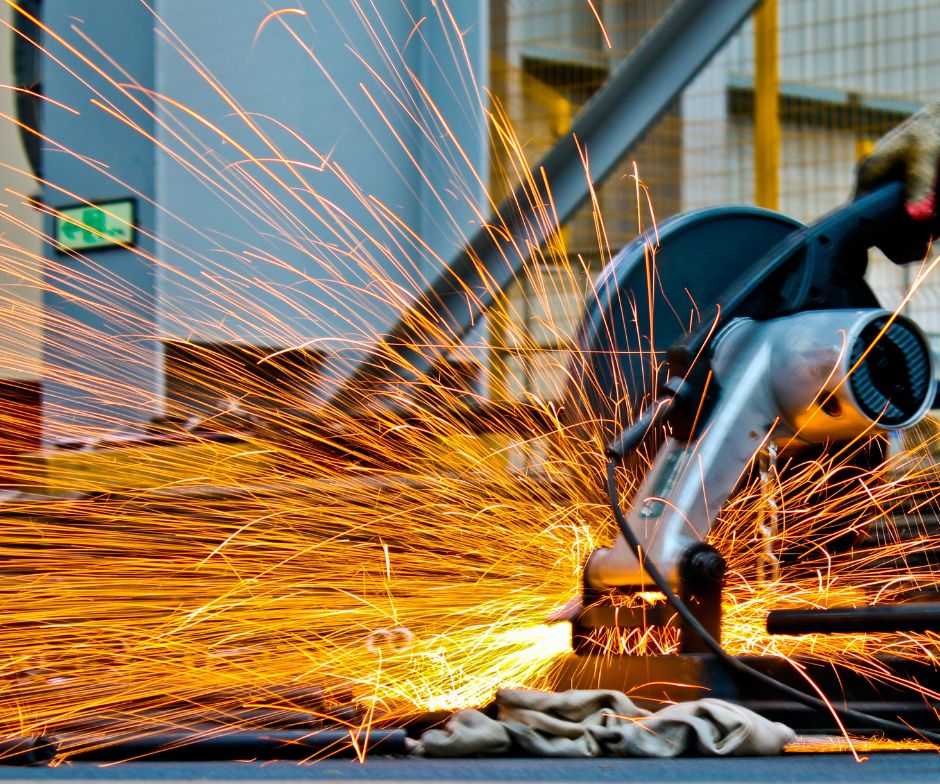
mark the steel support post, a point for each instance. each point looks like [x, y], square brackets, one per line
[766, 107]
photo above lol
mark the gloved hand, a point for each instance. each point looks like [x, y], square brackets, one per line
[911, 153]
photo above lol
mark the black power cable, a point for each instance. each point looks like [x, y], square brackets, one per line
[713, 645]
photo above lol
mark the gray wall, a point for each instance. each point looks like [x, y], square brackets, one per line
[288, 212]
[300, 251]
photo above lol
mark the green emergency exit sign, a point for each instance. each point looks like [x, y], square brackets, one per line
[99, 225]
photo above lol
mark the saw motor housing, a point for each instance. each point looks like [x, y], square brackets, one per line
[813, 378]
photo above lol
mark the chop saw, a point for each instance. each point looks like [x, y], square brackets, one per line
[754, 336]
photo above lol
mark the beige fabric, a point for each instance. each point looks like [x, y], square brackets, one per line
[599, 723]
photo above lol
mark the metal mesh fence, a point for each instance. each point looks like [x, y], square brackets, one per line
[843, 73]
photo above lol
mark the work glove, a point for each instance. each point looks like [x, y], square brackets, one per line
[910, 153]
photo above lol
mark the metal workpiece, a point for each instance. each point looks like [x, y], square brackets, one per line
[781, 381]
[907, 618]
[211, 744]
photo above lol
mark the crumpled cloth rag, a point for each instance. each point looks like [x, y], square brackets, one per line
[594, 723]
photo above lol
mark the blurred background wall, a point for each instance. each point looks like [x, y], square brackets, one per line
[831, 77]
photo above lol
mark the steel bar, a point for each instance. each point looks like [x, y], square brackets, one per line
[860, 620]
[610, 124]
[260, 745]
[766, 107]
[31, 751]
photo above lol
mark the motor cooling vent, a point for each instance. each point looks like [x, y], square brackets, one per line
[893, 381]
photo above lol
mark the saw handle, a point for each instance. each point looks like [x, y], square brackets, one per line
[877, 219]
[818, 266]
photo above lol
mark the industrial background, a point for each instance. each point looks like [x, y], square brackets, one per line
[777, 118]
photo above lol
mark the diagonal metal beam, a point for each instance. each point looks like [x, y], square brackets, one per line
[611, 123]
